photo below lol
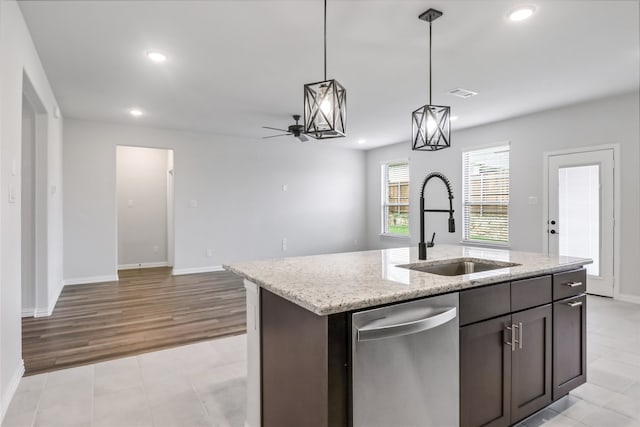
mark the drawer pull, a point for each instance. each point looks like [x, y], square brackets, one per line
[574, 304]
[572, 284]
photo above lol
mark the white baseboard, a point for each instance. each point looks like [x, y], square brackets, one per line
[91, 279]
[195, 270]
[628, 298]
[11, 390]
[143, 265]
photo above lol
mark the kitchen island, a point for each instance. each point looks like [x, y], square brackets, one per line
[302, 338]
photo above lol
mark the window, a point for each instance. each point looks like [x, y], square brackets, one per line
[485, 195]
[395, 198]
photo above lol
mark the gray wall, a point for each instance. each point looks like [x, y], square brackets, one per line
[242, 211]
[141, 181]
[612, 120]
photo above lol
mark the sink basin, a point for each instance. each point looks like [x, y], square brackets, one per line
[457, 267]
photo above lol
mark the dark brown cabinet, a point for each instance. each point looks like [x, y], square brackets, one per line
[485, 374]
[531, 362]
[569, 345]
[505, 368]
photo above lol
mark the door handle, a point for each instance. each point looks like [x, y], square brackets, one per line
[574, 304]
[512, 330]
[572, 284]
[405, 328]
[520, 336]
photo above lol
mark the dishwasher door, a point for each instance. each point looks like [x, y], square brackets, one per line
[406, 364]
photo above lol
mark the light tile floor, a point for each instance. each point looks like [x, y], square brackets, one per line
[204, 384]
[200, 384]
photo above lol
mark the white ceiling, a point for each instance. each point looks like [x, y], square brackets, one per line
[237, 65]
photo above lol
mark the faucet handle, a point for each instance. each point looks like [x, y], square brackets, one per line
[430, 244]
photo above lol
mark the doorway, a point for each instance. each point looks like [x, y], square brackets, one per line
[580, 221]
[144, 181]
[33, 203]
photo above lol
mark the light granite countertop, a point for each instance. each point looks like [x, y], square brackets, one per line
[335, 283]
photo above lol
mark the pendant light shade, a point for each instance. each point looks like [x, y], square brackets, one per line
[325, 109]
[325, 103]
[431, 128]
[431, 124]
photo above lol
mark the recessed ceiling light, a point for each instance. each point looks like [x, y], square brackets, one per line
[135, 112]
[156, 56]
[453, 118]
[521, 13]
[362, 141]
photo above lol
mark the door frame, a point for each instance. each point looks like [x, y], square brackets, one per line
[170, 229]
[42, 305]
[616, 202]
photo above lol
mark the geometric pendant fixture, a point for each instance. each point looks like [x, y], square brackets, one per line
[325, 103]
[431, 124]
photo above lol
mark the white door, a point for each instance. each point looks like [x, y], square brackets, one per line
[581, 217]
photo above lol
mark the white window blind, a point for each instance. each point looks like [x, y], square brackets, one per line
[395, 198]
[485, 195]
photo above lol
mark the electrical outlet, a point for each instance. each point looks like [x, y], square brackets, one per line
[155, 249]
[130, 203]
[193, 203]
[209, 252]
[285, 187]
[284, 244]
[12, 194]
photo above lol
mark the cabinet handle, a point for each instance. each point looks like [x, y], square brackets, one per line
[572, 284]
[513, 342]
[574, 304]
[520, 336]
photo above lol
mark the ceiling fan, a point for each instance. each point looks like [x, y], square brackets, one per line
[295, 130]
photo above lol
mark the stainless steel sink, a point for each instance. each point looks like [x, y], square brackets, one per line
[458, 267]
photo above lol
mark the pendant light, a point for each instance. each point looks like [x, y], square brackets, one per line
[431, 124]
[325, 103]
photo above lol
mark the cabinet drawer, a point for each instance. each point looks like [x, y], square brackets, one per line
[530, 292]
[484, 303]
[569, 283]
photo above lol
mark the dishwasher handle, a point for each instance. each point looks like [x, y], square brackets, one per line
[396, 330]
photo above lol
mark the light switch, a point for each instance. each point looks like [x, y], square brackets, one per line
[54, 190]
[130, 203]
[533, 200]
[285, 187]
[193, 203]
[14, 167]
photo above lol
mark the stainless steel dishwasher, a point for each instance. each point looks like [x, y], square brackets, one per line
[406, 364]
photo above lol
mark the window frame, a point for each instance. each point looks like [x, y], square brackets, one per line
[464, 204]
[384, 197]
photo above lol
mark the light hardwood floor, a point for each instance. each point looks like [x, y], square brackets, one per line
[147, 310]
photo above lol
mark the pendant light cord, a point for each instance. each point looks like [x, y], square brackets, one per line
[325, 40]
[430, 72]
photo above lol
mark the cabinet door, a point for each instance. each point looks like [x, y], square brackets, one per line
[569, 345]
[531, 362]
[485, 379]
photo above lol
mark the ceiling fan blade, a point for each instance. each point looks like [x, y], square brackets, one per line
[267, 127]
[303, 138]
[276, 136]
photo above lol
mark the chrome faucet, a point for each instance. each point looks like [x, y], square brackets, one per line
[422, 246]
